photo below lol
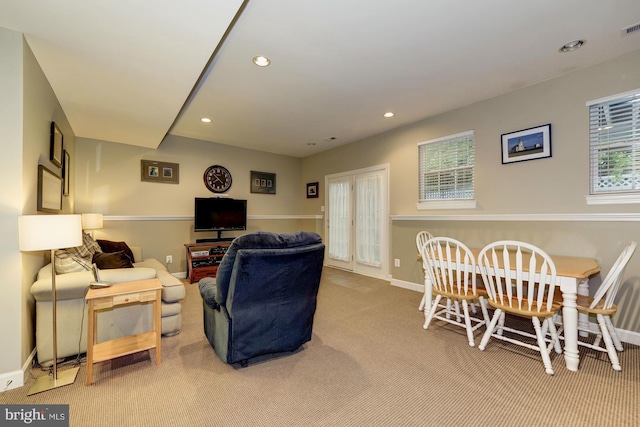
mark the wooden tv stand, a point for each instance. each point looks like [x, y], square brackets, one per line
[203, 259]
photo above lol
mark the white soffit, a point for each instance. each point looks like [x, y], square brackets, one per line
[121, 70]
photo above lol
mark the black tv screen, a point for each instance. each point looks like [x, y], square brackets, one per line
[220, 214]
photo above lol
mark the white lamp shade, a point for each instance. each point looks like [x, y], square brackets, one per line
[43, 232]
[91, 221]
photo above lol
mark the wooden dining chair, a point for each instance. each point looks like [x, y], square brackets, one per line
[421, 238]
[451, 269]
[603, 307]
[520, 280]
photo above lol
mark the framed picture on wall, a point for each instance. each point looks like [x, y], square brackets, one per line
[528, 144]
[49, 191]
[163, 172]
[56, 145]
[66, 172]
[312, 190]
[263, 182]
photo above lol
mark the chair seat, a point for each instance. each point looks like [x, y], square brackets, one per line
[584, 302]
[457, 295]
[513, 309]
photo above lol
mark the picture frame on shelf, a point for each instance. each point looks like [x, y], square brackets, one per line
[49, 191]
[66, 173]
[527, 144]
[263, 182]
[56, 145]
[312, 190]
[162, 172]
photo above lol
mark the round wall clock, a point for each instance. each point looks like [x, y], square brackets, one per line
[217, 179]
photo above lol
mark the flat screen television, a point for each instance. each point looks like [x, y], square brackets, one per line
[220, 214]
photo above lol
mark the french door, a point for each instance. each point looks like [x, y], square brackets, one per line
[357, 221]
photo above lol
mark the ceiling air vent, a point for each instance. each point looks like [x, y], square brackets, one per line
[630, 29]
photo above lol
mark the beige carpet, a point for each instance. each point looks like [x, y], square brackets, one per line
[369, 363]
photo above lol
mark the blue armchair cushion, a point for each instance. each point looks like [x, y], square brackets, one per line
[257, 240]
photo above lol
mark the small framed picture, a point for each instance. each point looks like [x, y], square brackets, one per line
[263, 182]
[56, 145]
[162, 172]
[312, 190]
[49, 191]
[66, 172]
[528, 144]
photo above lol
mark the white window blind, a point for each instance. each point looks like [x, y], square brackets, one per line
[614, 140]
[446, 168]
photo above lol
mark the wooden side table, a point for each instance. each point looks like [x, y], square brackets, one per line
[136, 292]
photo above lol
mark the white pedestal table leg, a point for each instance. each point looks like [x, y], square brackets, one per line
[570, 321]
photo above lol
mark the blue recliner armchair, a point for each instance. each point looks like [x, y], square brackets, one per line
[264, 296]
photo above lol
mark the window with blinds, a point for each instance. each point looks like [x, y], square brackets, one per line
[614, 140]
[446, 168]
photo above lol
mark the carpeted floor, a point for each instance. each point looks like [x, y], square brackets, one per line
[369, 363]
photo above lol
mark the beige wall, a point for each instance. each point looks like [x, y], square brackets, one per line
[108, 181]
[555, 185]
[11, 304]
[27, 107]
[108, 178]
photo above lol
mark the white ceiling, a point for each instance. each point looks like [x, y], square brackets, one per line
[123, 70]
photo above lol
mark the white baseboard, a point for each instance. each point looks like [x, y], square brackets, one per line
[630, 337]
[407, 285]
[15, 379]
[180, 275]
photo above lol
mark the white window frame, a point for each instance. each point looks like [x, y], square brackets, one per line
[424, 203]
[598, 134]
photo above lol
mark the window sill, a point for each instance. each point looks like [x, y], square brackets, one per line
[612, 199]
[446, 204]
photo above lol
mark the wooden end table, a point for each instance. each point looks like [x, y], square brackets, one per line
[124, 293]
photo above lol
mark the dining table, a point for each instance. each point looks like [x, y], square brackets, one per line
[572, 277]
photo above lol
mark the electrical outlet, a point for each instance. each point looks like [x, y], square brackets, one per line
[169, 259]
[397, 262]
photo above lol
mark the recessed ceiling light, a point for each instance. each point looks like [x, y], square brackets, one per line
[205, 120]
[261, 61]
[389, 114]
[571, 46]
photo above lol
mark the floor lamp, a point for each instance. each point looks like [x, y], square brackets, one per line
[51, 232]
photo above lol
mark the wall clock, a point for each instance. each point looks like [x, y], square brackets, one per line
[217, 179]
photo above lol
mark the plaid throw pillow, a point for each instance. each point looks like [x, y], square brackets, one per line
[75, 259]
[89, 244]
